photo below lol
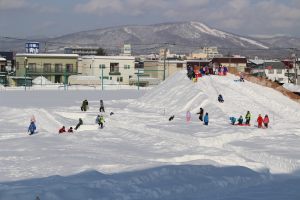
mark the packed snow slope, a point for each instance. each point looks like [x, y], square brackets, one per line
[140, 154]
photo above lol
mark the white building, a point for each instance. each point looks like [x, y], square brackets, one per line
[114, 68]
[277, 71]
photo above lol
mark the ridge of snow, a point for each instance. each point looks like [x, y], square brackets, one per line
[205, 29]
[253, 42]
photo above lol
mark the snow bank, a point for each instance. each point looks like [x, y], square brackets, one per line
[41, 81]
[138, 144]
[292, 87]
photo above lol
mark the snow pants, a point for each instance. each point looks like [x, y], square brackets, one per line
[101, 109]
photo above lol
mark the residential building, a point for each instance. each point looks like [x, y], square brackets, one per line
[198, 54]
[205, 53]
[279, 71]
[54, 67]
[81, 51]
[155, 68]
[234, 64]
[3, 72]
[212, 52]
[117, 69]
[10, 62]
[196, 64]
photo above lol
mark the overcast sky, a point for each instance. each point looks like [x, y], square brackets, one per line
[23, 18]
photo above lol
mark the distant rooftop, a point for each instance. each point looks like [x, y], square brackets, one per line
[46, 55]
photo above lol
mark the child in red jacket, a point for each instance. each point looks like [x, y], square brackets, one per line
[260, 121]
[266, 121]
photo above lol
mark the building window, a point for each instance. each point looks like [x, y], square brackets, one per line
[279, 71]
[179, 65]
[17, 65]
[47, 67]
[102, 66]
[114, 67]
[110, 78]
[126, 66]
[58, 68]
[271, 71]
[69, 68]
[31, 67]
[119, 79]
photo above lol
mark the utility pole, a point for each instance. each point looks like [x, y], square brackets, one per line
[102, 77]
[25, 59]
[45, 48]
[165, 55]
[65, 76]
[296, 82]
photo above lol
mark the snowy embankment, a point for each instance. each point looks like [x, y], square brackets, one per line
[139, 136]
[292, 87]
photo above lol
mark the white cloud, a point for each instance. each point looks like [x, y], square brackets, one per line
[231, 15]
[100, 7]
[11, 4]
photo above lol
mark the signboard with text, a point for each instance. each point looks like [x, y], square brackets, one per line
[32, 47]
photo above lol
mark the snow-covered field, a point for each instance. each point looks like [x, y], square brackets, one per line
[140, 154]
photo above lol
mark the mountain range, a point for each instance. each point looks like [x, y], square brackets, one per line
[180, 37]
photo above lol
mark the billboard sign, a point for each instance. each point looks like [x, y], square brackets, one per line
[32, 47]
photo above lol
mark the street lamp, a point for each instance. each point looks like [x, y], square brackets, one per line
[102, 67]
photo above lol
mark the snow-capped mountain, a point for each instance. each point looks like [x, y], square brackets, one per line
[181, 35]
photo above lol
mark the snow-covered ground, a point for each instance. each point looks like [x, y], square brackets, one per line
[292, 87]
[140, 154]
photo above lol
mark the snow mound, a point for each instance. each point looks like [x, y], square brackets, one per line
[291, 87]
[41, 80]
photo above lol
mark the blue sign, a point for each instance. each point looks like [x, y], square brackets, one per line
[32, 47]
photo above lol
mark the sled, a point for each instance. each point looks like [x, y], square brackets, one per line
[35, 132]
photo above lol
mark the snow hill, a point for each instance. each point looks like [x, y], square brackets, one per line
[140, 154]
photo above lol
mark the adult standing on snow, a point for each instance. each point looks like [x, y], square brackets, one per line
[260, 121]
[31, 128]
[201, 114]
[79, 124]
[206, 119]
[266, 121]
[84, 105]
[101, 109]
[248, 117]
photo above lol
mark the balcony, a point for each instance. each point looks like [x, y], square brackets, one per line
[50, 72]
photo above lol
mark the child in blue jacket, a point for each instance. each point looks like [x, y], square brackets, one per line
[31, 128]
[206, 119]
